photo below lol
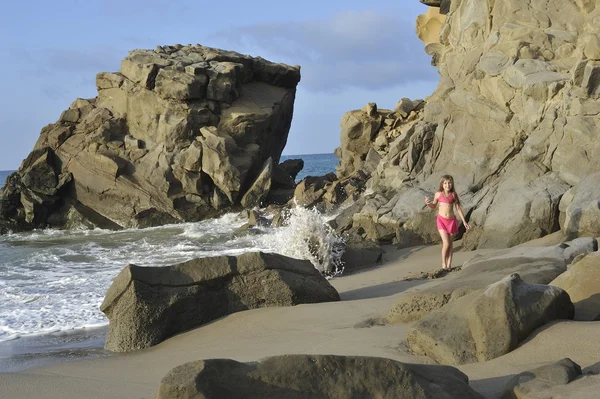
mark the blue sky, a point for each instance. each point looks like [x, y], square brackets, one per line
[351, 53]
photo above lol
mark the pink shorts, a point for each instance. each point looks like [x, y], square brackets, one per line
[450, 226]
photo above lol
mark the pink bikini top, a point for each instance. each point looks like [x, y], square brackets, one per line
[446, 200]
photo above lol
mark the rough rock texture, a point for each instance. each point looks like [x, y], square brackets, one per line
[584, 387]
[581, 208]
[181, 133]
[535, 265]
[536, 383]
[429, 25]
[146, 305]
[514, 119]
[489, 323]
[582, 283]
[314, 376]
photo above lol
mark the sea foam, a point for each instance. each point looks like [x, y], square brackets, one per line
[307, 235]
[52, 280]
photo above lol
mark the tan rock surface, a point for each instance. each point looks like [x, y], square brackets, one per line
[514, 119]
[582, 283]
[429, 25]
[179, 134]
[489, 323]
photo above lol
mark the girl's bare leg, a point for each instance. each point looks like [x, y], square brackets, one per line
[450, 251]
[445, 247]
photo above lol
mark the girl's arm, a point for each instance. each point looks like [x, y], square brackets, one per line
[432, 204]
[459, 209]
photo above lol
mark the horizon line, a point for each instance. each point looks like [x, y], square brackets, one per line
[283, 155]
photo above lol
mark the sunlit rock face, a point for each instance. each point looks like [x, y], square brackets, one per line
[517, 110]
[429, 25]
[515, 120]
[518, 79]
[180, 133]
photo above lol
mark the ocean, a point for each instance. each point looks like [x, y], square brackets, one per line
[3, 175]
[314, 164]
[52, 282]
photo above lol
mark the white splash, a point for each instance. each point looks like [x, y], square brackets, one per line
[52, 280]
[306, 235]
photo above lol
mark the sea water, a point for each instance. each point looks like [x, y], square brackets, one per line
[3, 175]
[54, 280]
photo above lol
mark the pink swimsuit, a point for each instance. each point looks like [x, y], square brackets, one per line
[450, 226]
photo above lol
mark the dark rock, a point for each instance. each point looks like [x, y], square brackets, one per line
[279, 196]
[282, 178]
[293, 166]
[314, 376]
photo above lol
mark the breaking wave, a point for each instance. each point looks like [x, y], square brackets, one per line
[53, 280]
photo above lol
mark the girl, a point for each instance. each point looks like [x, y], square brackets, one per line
[447, 224]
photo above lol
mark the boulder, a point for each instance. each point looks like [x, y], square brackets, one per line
[524, 208]
[536, 383]
[404, 107]
[584, 387]
[146, 305]
[582, 283]
[535, 265]
[488, 323]
[310, 190]
[314, 376]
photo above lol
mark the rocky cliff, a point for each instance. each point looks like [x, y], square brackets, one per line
[185, 133]
[515, 119]
[181, 133]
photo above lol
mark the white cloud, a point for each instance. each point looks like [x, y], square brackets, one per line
[369, 49]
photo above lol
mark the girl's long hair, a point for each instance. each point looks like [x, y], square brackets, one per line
[451, 180]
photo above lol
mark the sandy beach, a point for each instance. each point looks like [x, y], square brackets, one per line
[342, 328]
[492, 117]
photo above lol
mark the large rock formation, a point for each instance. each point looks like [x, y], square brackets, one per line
[146, 305]
[314, 376]
[515, 120]
[181, 133]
